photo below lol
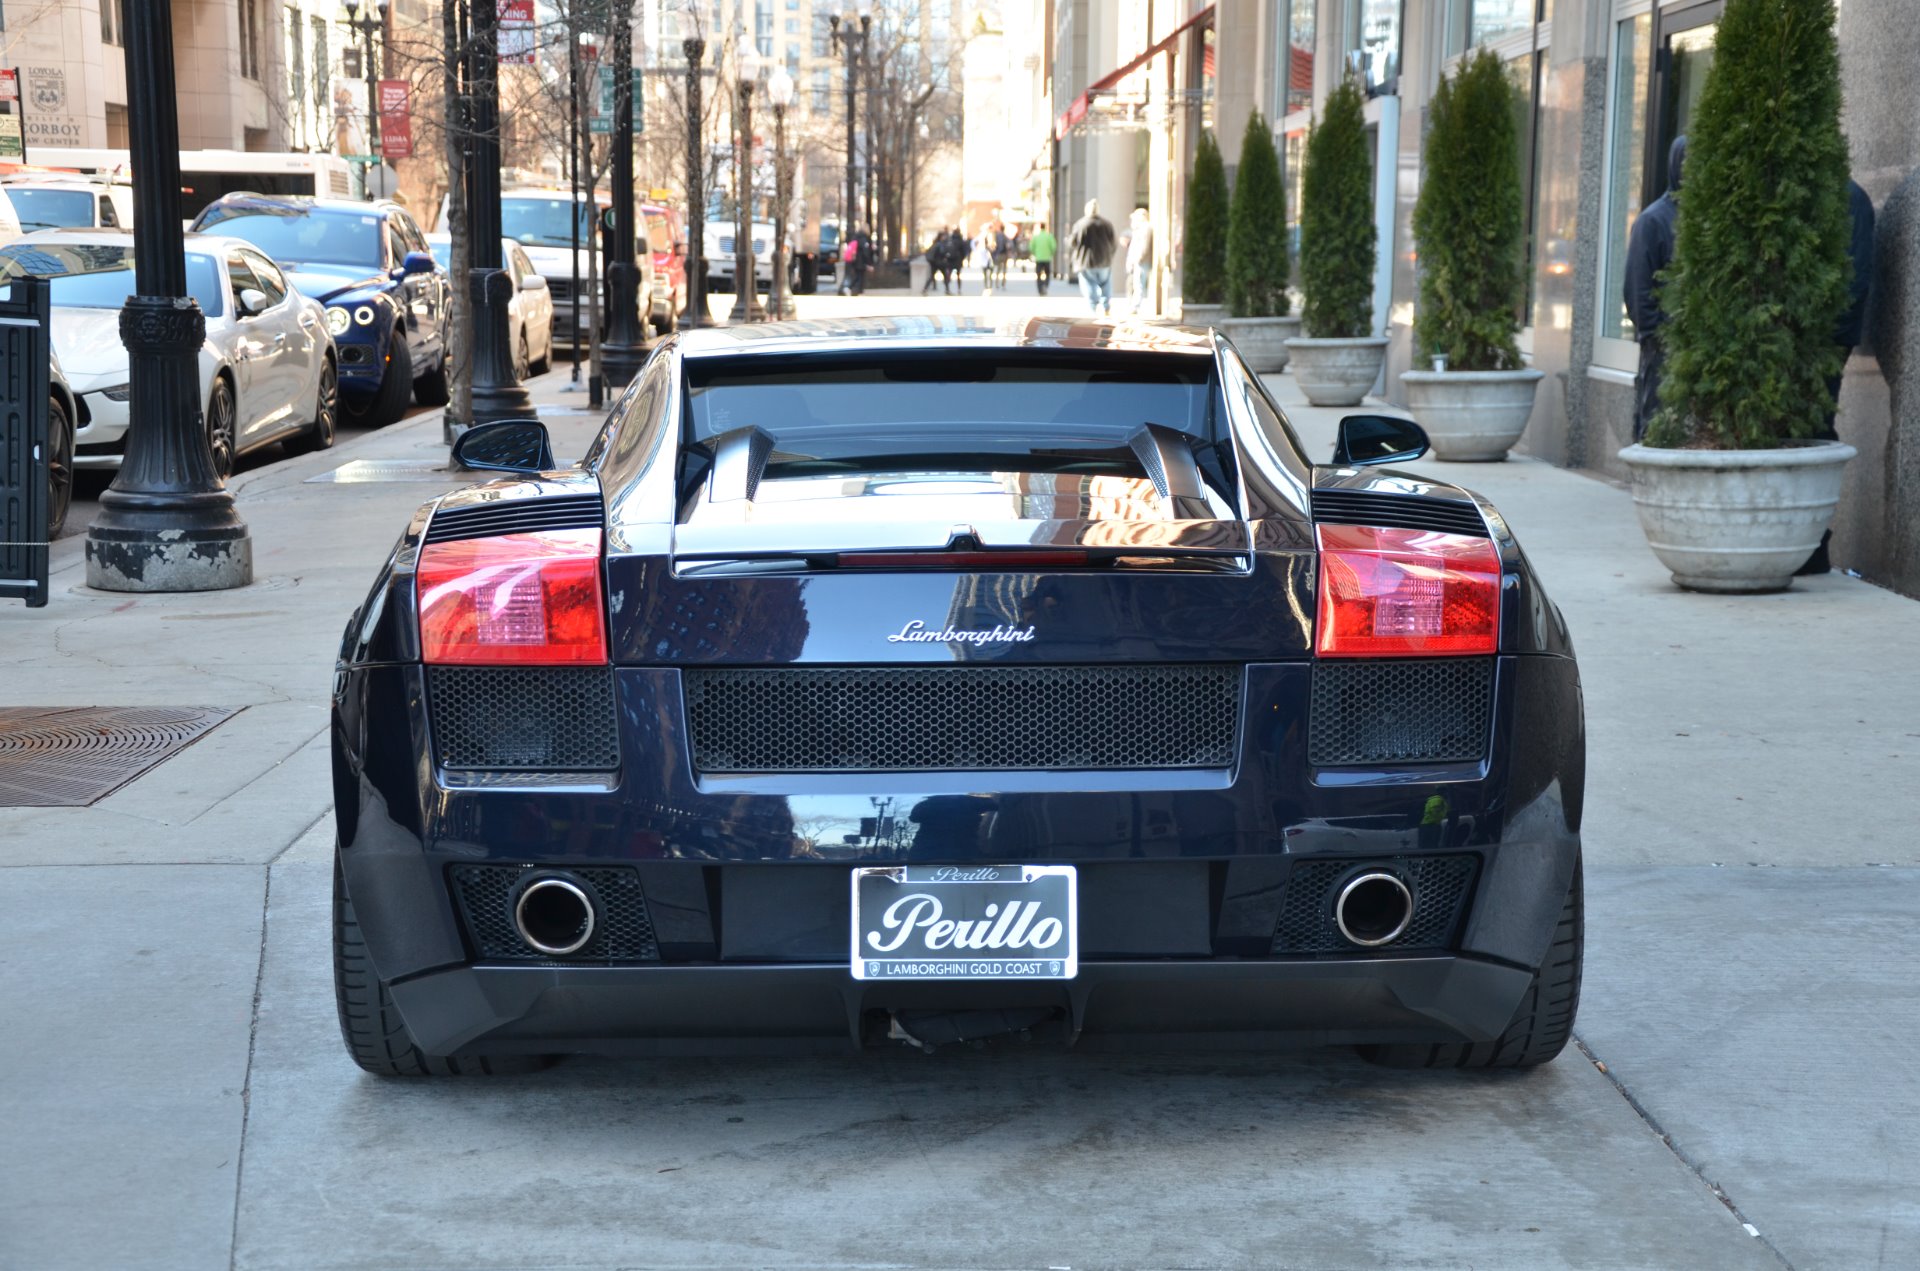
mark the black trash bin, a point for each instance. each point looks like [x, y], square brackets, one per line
[806, 267]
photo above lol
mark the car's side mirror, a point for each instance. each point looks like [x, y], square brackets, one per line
[1364, 440]
[417, 263]
[253, 302]
[533, 282]
[506, 445]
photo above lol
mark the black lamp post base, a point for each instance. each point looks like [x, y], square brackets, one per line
[496, 394]
[162, 550]
[624, 351]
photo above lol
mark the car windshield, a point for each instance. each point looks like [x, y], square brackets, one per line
[543, 222]
[51, 209]
[100, 276]
[310, 238]
[658, 233]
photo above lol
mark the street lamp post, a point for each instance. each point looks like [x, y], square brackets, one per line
[375, 20]
[626, 344]
[694, 47]
[746, 298]
[780, 95]
[853, 43]
[167, 523]
[496, 393]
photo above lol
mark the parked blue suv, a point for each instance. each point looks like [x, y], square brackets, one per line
[388, 302]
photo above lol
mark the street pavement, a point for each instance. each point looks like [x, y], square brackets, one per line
[1743, 1093]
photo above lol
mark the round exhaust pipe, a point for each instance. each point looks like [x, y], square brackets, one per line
[555, 915]
[1373, 909]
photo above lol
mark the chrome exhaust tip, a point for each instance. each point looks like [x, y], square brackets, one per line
[554, 915]
[1373, 909]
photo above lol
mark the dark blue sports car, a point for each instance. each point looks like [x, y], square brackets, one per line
[918, 682]
[388, 303]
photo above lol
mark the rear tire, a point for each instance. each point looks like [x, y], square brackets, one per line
[1541, 1025]
[376, 1037]
[389, 401]
[59, 466]
[435, 388]
[326, 414]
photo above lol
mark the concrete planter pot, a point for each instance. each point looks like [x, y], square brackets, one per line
[1262, 341]
[1199, 315]
[1472, 416]
[1336, 372]
[1736, 520]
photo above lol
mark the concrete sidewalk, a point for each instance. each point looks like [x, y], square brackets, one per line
[178, 1096]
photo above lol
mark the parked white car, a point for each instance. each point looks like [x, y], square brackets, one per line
[529, 311]
[267, 369]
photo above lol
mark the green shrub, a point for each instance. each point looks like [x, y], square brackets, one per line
[1257, 264]
[1204, 276]
[1761, 266]
[1469, 225]
[1336, 220]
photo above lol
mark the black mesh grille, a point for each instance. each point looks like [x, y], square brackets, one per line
[1431, 710]
[551, 719]
[969, 718]
[1440, 886]
[1398, 511]
[623, 931]
[517, 516]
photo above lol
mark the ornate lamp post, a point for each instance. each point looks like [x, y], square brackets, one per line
[496, 393]
[375, 20]
[780, 95]
[694, 47]
[746, 298]
[626, 345]
[853, 43]
[167, 523]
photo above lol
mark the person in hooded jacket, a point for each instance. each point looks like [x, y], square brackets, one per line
[1650, 250]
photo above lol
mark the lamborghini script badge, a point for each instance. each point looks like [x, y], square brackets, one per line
[917, 633]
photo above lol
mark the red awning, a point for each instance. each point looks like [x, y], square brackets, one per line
[1077, 111]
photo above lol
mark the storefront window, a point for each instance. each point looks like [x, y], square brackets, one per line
[1373, 33]
[1490, 20]
[1299, 95]
[1627, 151]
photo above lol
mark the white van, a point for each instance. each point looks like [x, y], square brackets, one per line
[9, 223]
[54, 200]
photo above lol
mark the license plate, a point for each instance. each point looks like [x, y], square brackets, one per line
[965, 922]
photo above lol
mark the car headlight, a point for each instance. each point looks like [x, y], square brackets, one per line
[118, 393]
[338, 321]
[364, 315]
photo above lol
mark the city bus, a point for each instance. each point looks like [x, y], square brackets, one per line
[205, 175]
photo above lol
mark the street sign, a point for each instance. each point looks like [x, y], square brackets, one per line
[517, 43]
[13, 142]
[602, 115]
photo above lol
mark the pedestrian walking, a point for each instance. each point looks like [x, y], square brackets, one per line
[849, 252]
[1649, 251]
[935, 250]
[1090, 247]
[862, 249]
[983, 253]
[1139, 256]
[951, 255]
[1002, 252]
[1042, 248]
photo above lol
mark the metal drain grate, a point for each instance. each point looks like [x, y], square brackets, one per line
[71, 756]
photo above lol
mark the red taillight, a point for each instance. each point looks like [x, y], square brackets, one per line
[521, 599]
[1389, 593]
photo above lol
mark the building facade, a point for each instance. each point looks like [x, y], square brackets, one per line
[1605, 85]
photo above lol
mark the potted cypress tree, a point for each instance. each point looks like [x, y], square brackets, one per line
[1203, 285]
[1339, 358]
[1469, 228]
[1733, 486]
[1257, 257]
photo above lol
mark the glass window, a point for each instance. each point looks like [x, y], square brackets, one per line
[543, 222]
[1299, 92]
[1633, 48]
[272, 281]
[52, 209]
[100, 275]
[1524, 72]
[1490, 20]
[1689, 57]
[341, 238]
[322, 87]
[1373, 31]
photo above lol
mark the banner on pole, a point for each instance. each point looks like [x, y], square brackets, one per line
[396, 121]
[517, 42]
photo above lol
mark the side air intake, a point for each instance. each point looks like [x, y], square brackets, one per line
[1398, 511]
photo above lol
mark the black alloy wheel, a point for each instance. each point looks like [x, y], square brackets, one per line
[59, 467]
[545, 363]
[522, 363]
[326, 414]
[389, 401]
[221, 427]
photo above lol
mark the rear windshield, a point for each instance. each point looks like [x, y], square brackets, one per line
[963, 413]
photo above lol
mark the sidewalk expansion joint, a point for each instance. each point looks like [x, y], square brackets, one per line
[246, 1083]
[1652, 1123]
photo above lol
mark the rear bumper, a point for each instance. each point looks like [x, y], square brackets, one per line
[707, 1009]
